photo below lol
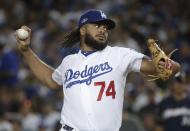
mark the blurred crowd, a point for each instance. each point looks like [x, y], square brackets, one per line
[27, 105]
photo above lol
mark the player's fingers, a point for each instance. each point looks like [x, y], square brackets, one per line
[16, 36]
[161, 67]
[162, 63]
[18, 40]
[26, 28]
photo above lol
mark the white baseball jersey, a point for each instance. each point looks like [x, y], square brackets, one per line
[93, 87]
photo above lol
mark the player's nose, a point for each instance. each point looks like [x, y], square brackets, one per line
[103, 28]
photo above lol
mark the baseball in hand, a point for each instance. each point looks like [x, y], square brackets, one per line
[22, 34]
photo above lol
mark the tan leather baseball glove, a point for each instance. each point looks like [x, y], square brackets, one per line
[157, 56]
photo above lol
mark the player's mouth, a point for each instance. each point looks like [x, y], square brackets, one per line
[101, 37]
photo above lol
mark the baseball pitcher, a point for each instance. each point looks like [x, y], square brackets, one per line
[93, 77]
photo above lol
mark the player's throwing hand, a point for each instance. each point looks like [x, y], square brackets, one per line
[23, 44]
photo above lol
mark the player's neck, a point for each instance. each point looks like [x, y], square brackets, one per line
[85, 47]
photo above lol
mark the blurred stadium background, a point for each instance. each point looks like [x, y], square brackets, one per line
[27, 105]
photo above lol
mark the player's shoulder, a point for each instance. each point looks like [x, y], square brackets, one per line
[121, 49]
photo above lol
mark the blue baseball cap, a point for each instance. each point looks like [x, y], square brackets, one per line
[95, 16]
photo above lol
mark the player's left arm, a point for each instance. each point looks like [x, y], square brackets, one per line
[147, 66]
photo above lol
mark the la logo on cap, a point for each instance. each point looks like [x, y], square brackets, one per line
[103, 15]
[84, 20]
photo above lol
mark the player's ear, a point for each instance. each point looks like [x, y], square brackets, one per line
[82, 30]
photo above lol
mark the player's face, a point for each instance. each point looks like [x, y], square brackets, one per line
[96, 36]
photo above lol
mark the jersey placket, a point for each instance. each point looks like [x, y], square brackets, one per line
[85, 94]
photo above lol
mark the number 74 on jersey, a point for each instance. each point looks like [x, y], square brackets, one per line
[110, 89]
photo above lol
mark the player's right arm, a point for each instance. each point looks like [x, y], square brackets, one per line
[41, 70]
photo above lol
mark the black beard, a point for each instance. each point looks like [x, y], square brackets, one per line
[91, 42]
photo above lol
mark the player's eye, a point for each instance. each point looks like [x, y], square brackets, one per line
[101, 25]
[97, 26]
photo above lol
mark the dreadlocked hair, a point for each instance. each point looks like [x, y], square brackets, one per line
[71, 38]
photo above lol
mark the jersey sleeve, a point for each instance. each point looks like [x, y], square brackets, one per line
[131, 60]
[135, 61]
[56, 76]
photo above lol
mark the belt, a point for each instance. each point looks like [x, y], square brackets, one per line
[67, 128]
